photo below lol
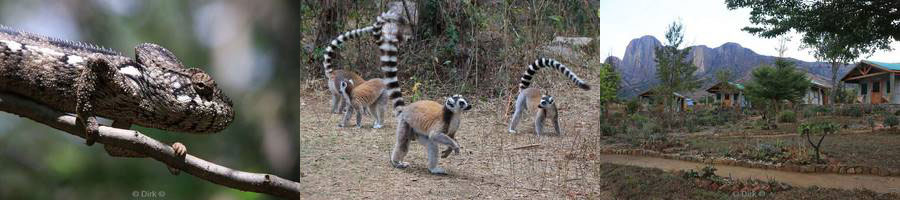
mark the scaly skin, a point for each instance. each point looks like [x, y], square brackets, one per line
[152, 90]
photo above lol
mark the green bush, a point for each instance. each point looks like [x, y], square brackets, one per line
[608, 129]
[632, 106]
[822, 109]
[787, 117]
[891, 121]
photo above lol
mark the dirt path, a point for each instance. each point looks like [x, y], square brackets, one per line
[874, 183]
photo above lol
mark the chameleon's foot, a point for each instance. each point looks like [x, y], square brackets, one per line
[91, 131]
[180, 149]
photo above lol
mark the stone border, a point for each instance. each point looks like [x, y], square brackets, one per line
[834, 169]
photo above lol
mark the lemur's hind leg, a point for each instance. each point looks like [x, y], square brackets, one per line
[404, 131]
[556, 124]
[378, 118]
[378, 110]
[347, 114]
[517, 114]
[359, 112]
[336, 100]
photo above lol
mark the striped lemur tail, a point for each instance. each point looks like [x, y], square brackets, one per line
[334, 45]
[547, 62]
[388, 39]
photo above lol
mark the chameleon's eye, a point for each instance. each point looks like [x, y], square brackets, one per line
[202, 83]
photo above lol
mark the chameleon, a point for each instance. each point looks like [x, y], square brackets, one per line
[153, 89]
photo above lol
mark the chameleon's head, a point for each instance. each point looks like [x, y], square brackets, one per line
[199, 104]
[457, 103]
[546, 101]
[208, 98]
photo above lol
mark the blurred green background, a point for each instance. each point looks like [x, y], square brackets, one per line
[251, 48]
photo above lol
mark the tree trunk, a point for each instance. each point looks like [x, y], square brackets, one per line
[329, 22]
[834, 82]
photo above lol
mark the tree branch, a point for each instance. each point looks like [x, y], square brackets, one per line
[138, 142]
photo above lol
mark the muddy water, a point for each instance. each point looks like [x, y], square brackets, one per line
[874, 183]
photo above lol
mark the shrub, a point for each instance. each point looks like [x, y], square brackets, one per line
[815, 110]
[787, 117]
[607, 129]
[632, 106]
[891, 121]
[851, 111]
[821, 109]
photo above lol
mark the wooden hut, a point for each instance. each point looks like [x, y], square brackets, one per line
[648, 97]
[818, 92]
[875, 80]
[729, 95]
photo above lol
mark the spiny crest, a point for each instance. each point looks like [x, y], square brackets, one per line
[59, 42]
[546, 62]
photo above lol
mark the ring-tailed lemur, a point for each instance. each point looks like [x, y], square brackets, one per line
[531, 98]
[368, 95]
[432, 123]
[336, 76]
[395, 27]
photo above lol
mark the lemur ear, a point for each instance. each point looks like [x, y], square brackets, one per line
[153, 55]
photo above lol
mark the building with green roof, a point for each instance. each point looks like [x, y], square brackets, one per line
[729, 94]
[875, 80]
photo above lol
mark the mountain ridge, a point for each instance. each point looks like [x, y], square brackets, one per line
[638, 68]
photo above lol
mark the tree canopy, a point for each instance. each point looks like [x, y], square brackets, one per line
[851, 27]
[782, 82]
[674, 71]
[608, 86]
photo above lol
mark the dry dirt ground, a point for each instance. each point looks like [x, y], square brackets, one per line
[353, 163]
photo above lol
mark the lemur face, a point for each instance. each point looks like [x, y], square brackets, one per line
[546, 101]
[457, 103]
[346, 85]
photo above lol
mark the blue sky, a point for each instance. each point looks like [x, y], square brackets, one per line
[707, 22]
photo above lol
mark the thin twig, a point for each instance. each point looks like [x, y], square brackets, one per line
[138, 142]
[526, 146]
